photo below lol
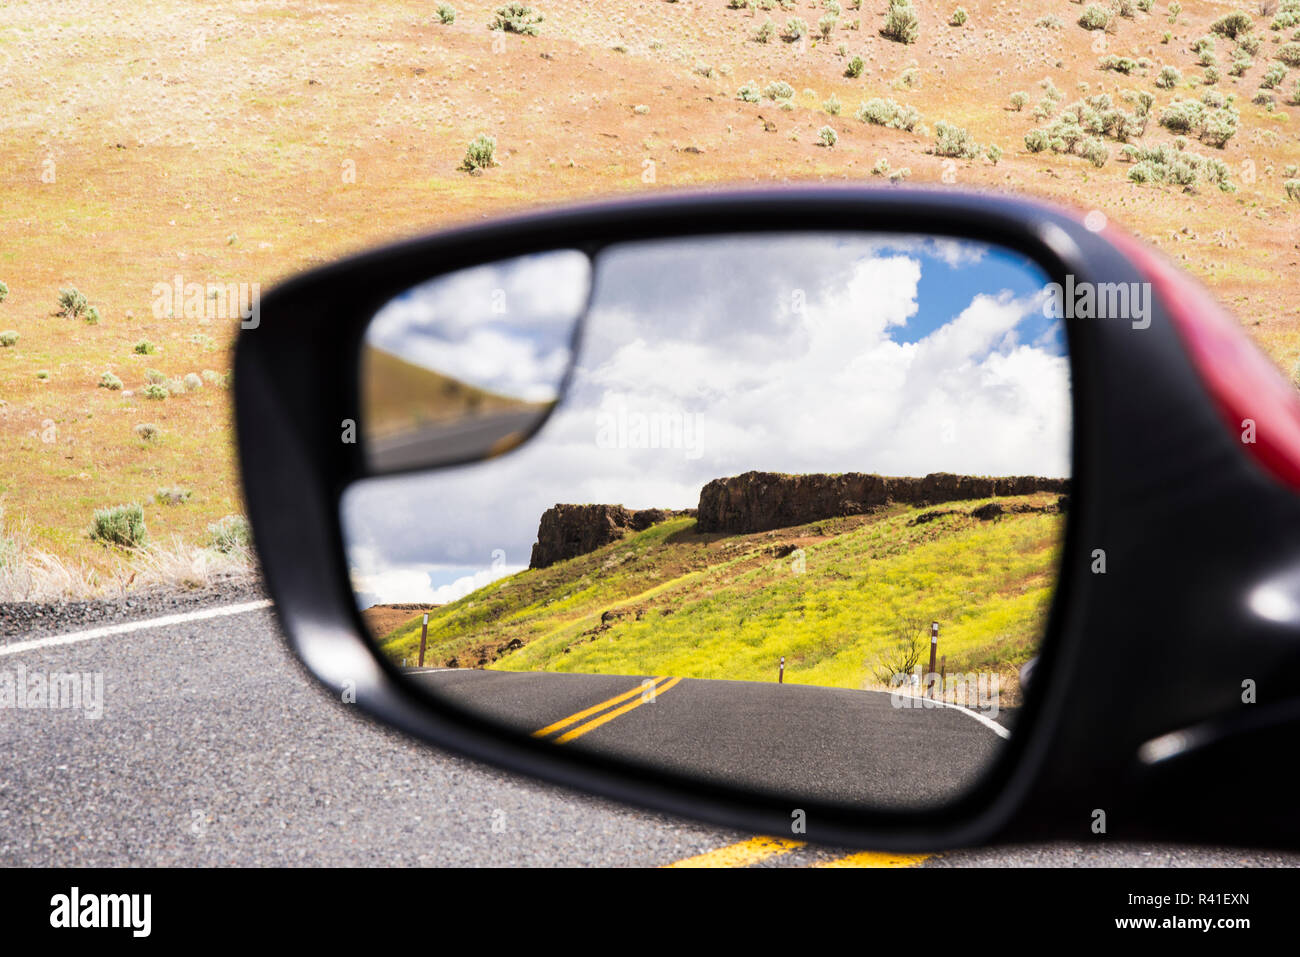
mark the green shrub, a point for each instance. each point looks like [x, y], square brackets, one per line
[855, 67]
[1249, 43]
[1094, 17]
[951, 140]
[1036, 141]
[1233, 24]
[826, 25]
[154, 377]
[832, 105]
[92, 316]
[42, 374]
[1289, 53]
[147, 431]
[172, 495]
[72, 304]
[1211, 75]
[1273, 77]
[1094, 151]
[1292, 187]
[795, 29]
[1049, 21]
[778, 90]
[765, 33]
[155, 392]
[1018, 100]
[122, 525]
[230, 534]
[958, 18]
[145, 348]
[901, 22]
[882, 112]
[480, 154]
[446, 13]
[1241, 62]
[749, 93]
[994, 153]
[1182, 116]
[4, 292]
[8, 338]
[517, 18]
[1126, 9]
[1213, 99]
[1175, 8]
[110, 382]
[1145, 5]
[827, 136]
[1168, 78]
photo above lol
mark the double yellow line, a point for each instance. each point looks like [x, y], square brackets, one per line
[644, 693]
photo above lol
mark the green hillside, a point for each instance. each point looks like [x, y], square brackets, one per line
[672, 601]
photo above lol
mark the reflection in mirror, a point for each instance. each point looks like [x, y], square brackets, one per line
[466, 365]
[793, 526]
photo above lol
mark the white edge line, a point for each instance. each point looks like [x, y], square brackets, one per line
[73, 637]
[988, 722]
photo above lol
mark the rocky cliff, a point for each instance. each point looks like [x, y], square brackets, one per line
[567, 531]
[758, 501]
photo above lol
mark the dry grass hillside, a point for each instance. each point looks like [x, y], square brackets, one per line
[239, 143]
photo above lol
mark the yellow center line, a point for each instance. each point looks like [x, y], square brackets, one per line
[745, 854]
[595, 723]
[758, 849]
[876, 859]
[594, 709]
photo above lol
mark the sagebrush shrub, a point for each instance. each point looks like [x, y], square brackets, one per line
[826, 25]
[882, 112]
[778, 90]
[1289, 53]
[4, 292]
[121, 525]
[446, 13]
[1036, 141]
[1168, 77]
[959, 17]
[147, 431]
[71, 303]
[1018, 100]
[1292, 187]
[1273, 77]
[480, 154]
[192, 381]
[1094, 17]
[172, 495]
[827, 136]
[1233, 24]
[517, 18]
[144, 348]
[902, 25]
[765, 33]
[1049, 21]
[8, 338]
[832, 105]
[795, 29]
[855, 67]
[229, 534]
[954, 141]
[155, 392]
[110, 382]
[749, 93]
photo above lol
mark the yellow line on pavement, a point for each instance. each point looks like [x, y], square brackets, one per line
[588, 712]
[876, 859]
[595, 723]
[744, 854]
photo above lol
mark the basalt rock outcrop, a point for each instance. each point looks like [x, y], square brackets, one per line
[567, 531]
[759, 501]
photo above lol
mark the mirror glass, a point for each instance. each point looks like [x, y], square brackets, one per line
[782, 476]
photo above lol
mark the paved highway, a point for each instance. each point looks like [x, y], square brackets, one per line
[838, 745]
[214, 748]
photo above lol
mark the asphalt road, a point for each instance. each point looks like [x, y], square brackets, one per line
[834, 744]
[213, 748]
[452, 441]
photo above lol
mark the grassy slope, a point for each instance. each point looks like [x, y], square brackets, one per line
[241, 144]
[711, 606]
